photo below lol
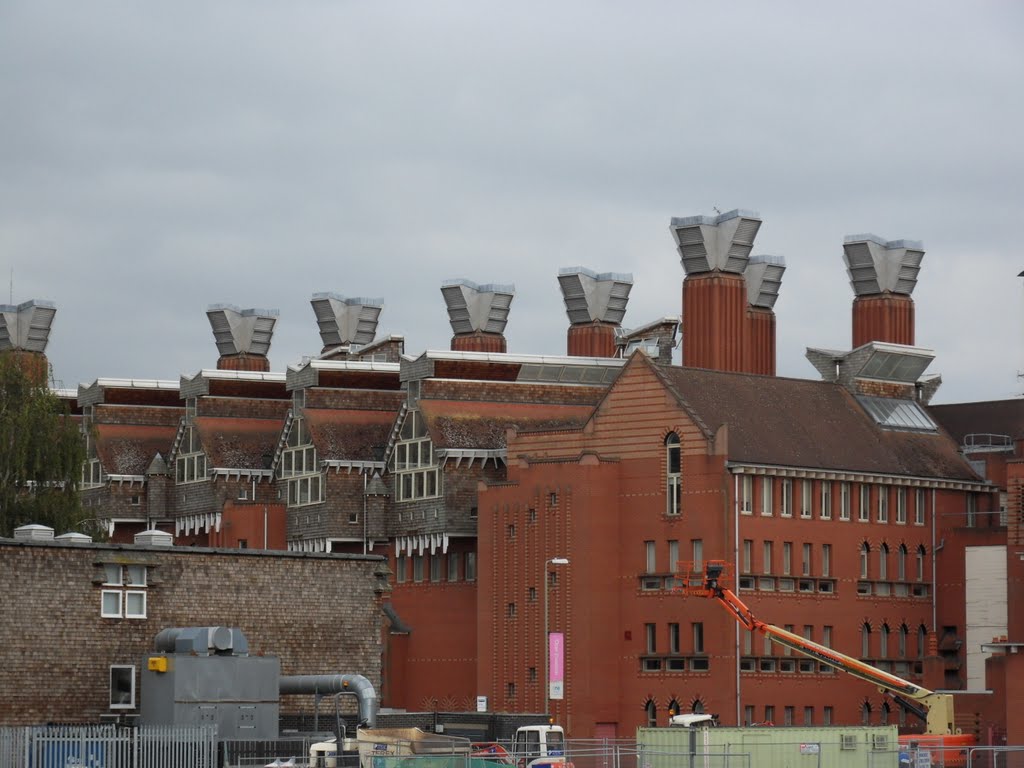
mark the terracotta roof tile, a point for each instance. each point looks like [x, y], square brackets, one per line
[811, 424]
[482, 425]
[353, 435]
[238, 443]
[128, 449]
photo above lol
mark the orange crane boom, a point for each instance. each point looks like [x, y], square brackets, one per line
[935, 709]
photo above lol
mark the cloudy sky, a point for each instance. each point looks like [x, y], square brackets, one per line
[160, 157]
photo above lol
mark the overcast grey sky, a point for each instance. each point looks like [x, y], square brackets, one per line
[159, 157]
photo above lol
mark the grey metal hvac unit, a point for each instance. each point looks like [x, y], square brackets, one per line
[242, 331]
[346, 321]
[591, 297]
[473, 307]
[26, 326]
[763, 276]
[709, 243]
[205, 676]
[876, 265]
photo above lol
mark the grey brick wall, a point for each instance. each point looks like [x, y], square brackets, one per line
[320, 614]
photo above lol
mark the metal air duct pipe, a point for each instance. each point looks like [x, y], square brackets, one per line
[325, 685]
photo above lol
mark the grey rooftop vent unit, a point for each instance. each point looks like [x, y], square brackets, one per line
[154, 538]
[876, 265]
[26, 326]
[592, 297]
[33, 532]
[73, 537]
[709, 243]
[346, 321]
[473, 307]
[764, 279]
[242, 331]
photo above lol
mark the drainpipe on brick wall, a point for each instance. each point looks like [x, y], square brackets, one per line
[364, 511]
[736, 570]
[935, 616]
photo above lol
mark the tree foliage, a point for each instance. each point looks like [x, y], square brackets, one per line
[41, 453]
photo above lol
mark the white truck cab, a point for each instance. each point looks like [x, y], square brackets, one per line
[534, 746]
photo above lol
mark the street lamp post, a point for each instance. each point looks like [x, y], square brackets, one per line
[546, 647]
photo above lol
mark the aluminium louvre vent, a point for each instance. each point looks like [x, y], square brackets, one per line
[346, 321]
[591, 297]
[763, 276]
[242, 331]
[722, 242]
[876, 265]
[26, 326]
[473, 307]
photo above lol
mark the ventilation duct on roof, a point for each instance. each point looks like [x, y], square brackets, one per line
[592, 297]
[876, 265]
[709, 243]
[26, 326]
[346, 321]
[764, 279]
[476, 308]
[241, 333]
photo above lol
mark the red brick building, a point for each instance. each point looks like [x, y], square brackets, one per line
[850, 509]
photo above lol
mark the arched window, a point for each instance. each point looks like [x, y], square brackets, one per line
[901, 649]
[922, 641]
[652, 713]
[673, 460]
[920, 562]
[865, 641]
[673, 708]
[697, 707]
[901, 563]
[886, 711]
[883, 562]
[884, 641]
[865, 554]
[865, 713]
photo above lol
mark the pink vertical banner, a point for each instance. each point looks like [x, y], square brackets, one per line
[556, 665]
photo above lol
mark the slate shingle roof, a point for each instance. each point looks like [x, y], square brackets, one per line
[352, 435]
[808, 424]
[231, 443]
[482, 425]
[995, 417]
[128, 449]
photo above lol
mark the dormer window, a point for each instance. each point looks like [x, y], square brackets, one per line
[190, 465]
[300, 466]
[417, 472]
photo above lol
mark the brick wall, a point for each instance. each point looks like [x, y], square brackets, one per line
[318, 613]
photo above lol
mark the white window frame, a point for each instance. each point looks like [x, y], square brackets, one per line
[414, 462]
[121, 705]
[650, 557]
[190, 462]
[845, 502]
[864, 508]
[766, 496]
[825, 513]
[786, 498]
[920, 507]
[806, 499]
[674, 483]
[901, 506]
[747, 495]
[130, 593]
[883, 504]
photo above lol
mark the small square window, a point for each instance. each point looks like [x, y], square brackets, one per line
[134, 605]
[110, 604]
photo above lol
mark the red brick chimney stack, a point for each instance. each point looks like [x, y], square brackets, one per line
[883, 275]
[478, 314]
[24, 333]
[596, 304]
[243, 336]
[763, 277]
[718, 331]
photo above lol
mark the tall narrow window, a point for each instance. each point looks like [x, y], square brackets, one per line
[865, 641]
[864, 508]
[805, 561]
[883, 562]
[673, 555]
[122, 686]
[826, 500]
[674, 486]
[746, 494]
[786, 498]
[865, 555]
[883, 504]
[901, 643]
[919, 562]
[826, 559]
[919, 506]
[922, 641]
[651, 710]
[844, 501]
[787, 558]
[748, 548]
[766, 496]
[884, 641]
[972, 510]
[901, 563]
[805, 498]
[698, 554]
[901, 506]
[651, 637]
[698, 637]
[673, 638]
[767, 557]
[826, 636]
[413, 462]
[650, 557]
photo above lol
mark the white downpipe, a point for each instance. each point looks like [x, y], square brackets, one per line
[935, 615]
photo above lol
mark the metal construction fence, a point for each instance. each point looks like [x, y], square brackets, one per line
[108, 746]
